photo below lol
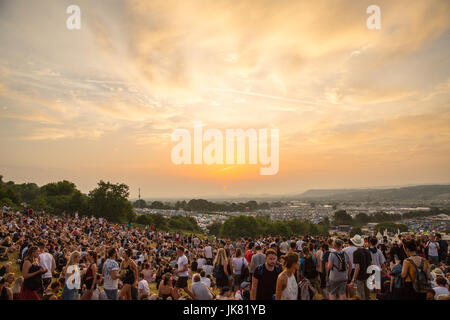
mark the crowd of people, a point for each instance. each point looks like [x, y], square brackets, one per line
[89, 258]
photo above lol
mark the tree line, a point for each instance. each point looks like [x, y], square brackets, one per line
[107, 200]
[248, 226]
[341, 217]
[202, 205]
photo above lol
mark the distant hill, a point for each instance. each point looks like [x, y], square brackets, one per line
[423, 192]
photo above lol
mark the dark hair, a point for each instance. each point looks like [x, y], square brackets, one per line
[141, 275]
[93, 254]
[411, 245]
[441, 280]
[258, 247]
[129, 252]
[111, 252]
[292, 245]
[373, 241]
[289, 259]
[271, 251]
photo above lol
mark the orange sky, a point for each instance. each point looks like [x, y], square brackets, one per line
[354, 107]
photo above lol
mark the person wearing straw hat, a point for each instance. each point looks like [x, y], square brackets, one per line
[362, 260]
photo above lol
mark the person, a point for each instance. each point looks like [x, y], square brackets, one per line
[208, 252]
[240, 269]
[205, 279]
[362, 259]
[308, 264]
[349, 250]
[324, 270]
[143, 289]
[411, 268]
[32, 275]
[244, 292]
[90, 279]
[284, 246]
[441, 287]
[111, 275]
[5, 292]
[46, 261]
[378, 258]
[220, 268]
[72, 277]
[397, 283]
[257, 259]
[129, 275]
[199, 289]
[433, 251]
[249, 253]
[340, 268]
[430, 294]
[287, 287]
[16, 289]
[182, 273]
[165, 289]
[443, 248]
[264, 280]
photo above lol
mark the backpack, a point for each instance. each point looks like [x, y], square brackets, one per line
[310, 268]
[420, 283]
[260, 269]
[342, 266]
[218, 272]
[244, 270]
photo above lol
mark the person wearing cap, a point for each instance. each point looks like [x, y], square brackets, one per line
[362, 259]
[244, 292]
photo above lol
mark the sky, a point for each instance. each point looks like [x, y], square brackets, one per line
[354, 107]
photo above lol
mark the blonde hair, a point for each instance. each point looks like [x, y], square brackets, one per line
[221, 257]
[17, 286]
[72, 258]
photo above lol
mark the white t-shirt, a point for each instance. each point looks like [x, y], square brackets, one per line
[108, 267]
[439, 291]
[182, 261]
[433, 249]
[208, 269]
[237, 263]
[208, 252]
[206, 281]
[46, 261]
[143, 287]
[350, 250]
[299, 245]
[201, 262]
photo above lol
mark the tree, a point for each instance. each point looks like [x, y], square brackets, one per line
[342, 217]
[362, 218]
[111, 201]
[144, 219]
[157, 205]
[214, 228]
[140, 204]
[355, 230]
